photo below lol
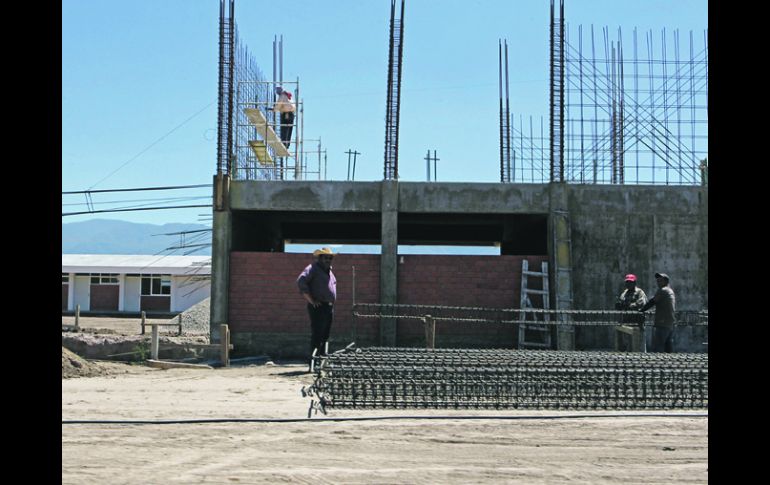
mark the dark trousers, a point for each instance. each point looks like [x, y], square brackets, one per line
[287, 123]
[662, 339]
[320, 325]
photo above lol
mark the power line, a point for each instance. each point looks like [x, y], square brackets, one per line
[90, 204]
[172, 187]
[136, 209]
[152, 144]
[182, 232]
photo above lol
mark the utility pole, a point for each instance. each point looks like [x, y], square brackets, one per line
[355, 155]
[428, 159]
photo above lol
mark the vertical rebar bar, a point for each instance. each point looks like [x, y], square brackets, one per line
[678, 102]
[650, 76]
[621, 115]
[507, 117]
[692, 99]
[596, 111]
[580, 70]
[500, 102]
[665, 102]
[635, 124]
[613, 120]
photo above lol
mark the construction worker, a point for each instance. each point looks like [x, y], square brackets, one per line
[318, 286]
[286, 108]
[632, 298]
[665, 306]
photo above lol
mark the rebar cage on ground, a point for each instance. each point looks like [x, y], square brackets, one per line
[380, 377]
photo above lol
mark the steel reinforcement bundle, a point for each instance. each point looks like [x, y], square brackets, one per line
[380, 377]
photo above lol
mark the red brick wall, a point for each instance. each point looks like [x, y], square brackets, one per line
[264, 297]
[473, 281]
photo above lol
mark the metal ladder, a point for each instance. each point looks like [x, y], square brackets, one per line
[538, 333]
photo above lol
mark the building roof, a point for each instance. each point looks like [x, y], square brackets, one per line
[135, 263]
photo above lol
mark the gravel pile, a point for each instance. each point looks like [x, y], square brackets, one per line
[195, 320]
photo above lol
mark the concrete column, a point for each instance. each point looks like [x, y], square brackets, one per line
[71, 293]
[703, 247]
[173, 300]
[224, 345]
[154, 343]
[221, 243]
[389, 258]
[560, 251]
[121, 292]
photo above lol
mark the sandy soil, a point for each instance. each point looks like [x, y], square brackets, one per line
[617, 450]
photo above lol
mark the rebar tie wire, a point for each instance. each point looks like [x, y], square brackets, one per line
[527, 316]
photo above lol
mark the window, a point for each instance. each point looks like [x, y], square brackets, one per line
[156, 284]
[65, 277]
[104, 278]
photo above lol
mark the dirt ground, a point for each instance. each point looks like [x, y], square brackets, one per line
[120, 325]
[72, 365]
[621, 449]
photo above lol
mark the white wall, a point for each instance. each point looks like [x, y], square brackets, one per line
[186, 293]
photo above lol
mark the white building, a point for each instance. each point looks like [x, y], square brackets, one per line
[132, 283]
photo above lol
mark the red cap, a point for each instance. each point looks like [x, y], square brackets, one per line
[630, 277]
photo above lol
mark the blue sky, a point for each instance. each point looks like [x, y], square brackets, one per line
[139, 83]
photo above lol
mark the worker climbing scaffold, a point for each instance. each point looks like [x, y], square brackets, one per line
[285, 107]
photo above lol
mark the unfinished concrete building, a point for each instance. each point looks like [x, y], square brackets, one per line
[589, 231]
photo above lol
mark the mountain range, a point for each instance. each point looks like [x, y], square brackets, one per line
[105, 236]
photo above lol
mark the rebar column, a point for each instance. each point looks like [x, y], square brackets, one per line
[557, 94]
[225, 90]
[393, 103]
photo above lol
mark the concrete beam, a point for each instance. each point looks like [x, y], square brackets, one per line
[366, 197]
[304, 196]
[473, 198]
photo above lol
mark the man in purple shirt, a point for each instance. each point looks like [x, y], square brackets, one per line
[319, 287]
